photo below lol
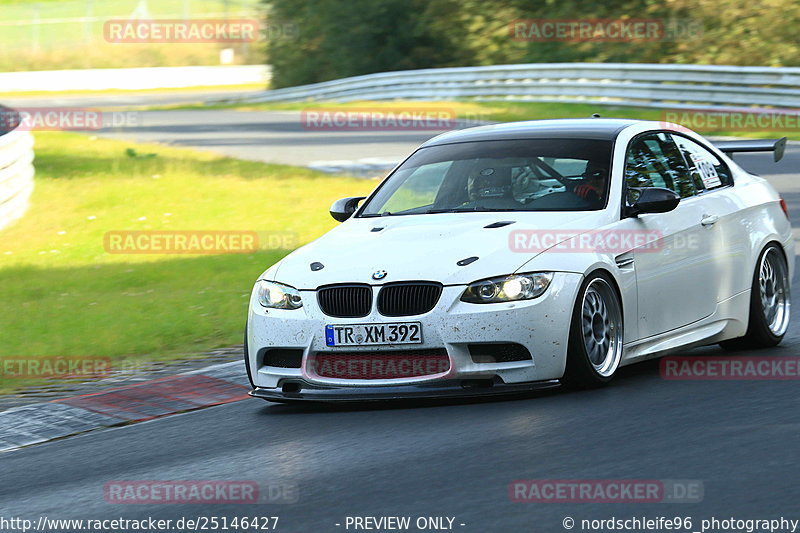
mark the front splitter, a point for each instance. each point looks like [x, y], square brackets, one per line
[442, 389]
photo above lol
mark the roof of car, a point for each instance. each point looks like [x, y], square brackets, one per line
[584, 128]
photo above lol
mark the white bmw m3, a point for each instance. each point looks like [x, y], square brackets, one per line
[509, 257]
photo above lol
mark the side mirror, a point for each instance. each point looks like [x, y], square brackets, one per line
[651, 200]
[343, 209]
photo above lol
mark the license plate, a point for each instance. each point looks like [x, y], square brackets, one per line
[373, 334]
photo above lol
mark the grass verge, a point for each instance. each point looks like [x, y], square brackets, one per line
[222, 89]
[69, 34]
[64, 295]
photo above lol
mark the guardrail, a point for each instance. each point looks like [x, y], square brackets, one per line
[16, 173]
[648, 85]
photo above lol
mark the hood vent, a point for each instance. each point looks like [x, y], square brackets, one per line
[499, 224]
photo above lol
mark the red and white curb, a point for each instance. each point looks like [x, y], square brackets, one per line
[32, 424]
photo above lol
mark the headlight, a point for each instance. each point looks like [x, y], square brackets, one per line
[278, 296]
[508, 288]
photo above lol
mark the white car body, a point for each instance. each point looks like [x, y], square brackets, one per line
[679, 297]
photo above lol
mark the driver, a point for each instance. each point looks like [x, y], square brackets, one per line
[490, 183]
[593, 185]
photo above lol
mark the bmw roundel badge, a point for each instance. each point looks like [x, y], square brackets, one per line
[379, 274]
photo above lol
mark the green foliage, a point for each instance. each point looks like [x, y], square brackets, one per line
[743, 32]
[337, 38]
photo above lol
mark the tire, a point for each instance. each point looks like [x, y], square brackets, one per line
[595, 336]
[770, 302]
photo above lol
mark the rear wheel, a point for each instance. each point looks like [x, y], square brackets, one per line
[770, 303]
[595, 339]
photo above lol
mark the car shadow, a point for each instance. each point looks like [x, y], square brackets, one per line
[399, 404]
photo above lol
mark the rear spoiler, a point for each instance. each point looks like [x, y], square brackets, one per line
[776, 146]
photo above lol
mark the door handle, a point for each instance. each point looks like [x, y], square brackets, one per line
[709, 220]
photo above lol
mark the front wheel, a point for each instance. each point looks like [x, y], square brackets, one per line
[595, 338]
[770, 303]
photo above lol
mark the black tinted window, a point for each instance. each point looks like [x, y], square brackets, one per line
[654, 160]
[706, 170]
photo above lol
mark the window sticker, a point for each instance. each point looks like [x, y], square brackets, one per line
[707, 171]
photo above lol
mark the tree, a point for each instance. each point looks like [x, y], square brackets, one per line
[340, 38]
[334, 38]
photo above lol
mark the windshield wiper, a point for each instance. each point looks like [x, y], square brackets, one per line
[434, 211]
[469, 209]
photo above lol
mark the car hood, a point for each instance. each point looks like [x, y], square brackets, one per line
[420, 247]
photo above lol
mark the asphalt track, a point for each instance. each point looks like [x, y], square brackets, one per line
[451, 458]
[270, 136]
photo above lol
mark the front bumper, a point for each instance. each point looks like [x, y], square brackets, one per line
[540, 325]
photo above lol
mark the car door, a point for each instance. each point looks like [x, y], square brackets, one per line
[675, 273]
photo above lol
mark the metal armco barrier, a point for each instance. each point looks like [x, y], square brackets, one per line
[649, 85]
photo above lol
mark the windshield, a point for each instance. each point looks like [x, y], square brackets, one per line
[506, 175]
